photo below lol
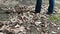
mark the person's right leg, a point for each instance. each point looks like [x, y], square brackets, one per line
[51, 7]
[38, 6]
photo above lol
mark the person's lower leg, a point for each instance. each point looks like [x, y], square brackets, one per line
[51, 6]
[38, 6]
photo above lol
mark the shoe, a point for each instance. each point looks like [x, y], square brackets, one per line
[49, 13]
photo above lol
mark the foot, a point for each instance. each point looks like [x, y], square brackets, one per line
[49, 13]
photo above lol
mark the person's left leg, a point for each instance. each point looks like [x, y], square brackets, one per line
[51, 6]
[38, 6]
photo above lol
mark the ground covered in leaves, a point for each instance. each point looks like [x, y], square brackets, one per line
[17, 17]
[22, 20]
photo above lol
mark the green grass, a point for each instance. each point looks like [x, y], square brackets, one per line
[55, 18]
